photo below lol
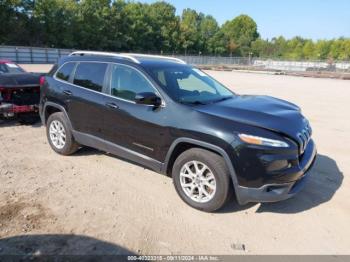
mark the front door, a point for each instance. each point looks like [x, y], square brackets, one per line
[139, 128]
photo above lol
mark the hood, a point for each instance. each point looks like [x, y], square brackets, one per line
[261, 111]
[19, 80]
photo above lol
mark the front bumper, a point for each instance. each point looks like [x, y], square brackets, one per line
[279, 191]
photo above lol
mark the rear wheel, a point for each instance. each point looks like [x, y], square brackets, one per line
[201, 179]
[59, 135]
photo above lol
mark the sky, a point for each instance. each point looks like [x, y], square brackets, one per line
[315, 19]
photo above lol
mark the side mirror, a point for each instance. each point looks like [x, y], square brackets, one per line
[148, 98]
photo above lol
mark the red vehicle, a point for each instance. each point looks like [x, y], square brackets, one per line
[19, 93]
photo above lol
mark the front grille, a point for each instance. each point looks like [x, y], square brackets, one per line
[304, 137]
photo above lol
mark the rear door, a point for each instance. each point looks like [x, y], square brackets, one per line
[84, 98]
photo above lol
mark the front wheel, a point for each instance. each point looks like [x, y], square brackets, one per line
[201, 179]
[59, 135]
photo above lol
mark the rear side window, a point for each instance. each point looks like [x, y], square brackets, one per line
[65, 71]
[90, 75]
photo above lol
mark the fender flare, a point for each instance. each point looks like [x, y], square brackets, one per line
[212, 147]
[60, 108]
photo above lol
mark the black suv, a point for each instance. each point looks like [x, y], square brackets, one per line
[173, 118]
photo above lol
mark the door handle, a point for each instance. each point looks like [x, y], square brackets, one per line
[67, 92]
[112, 105]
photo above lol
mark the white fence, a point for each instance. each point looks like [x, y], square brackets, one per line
[302, 65]
[32, 55]
[36, 55]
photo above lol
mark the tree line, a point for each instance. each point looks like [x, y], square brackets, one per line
[152, 28]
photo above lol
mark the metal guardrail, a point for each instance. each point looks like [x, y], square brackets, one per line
[32, 55]
[268, 64]
[37, 55]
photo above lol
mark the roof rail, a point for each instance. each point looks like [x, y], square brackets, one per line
[125, 56]
[157, 56]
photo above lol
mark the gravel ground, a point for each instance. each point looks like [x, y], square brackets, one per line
[93, 203]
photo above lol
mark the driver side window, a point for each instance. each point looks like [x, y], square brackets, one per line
[127, 82]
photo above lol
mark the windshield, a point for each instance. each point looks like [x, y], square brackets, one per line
[190, 85]
[10, 68]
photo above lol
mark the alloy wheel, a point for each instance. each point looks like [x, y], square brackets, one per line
[57, 134]
[198, 181]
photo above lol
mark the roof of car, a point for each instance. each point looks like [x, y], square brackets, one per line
[141, 59]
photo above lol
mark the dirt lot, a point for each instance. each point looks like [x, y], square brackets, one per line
[95, 203]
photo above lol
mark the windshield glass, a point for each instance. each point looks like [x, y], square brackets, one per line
[190, 85]
[10, 68]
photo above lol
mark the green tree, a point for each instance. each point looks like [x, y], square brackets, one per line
[278, 47]
[118, 35]
[55, 21]
[262, 48]
[165, 26]
[217, 44]
[189, 30]
[336, 49]
[322, 49]
[140, 34]
[294, 49]
[240, 31]
[15, 24]
[309, 50]
[344, 54]
[121, 25]
[208, 28]
[93, 30]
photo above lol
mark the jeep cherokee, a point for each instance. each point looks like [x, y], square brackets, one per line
[173, 118]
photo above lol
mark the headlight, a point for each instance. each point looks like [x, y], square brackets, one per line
[257, 140]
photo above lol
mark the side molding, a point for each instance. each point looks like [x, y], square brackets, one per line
[101, 144]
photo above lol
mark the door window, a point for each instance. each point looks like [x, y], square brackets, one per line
[127, 82]
[65, 71]
[90, 75]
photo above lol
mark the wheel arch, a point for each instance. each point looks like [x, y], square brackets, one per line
[51, 108]
[182, 144]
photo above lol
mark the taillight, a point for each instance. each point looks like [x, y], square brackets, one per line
[42, 81]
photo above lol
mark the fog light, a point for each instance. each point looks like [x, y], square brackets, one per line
[278, 165]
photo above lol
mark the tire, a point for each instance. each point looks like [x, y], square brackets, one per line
[216, 166]
[69, 146]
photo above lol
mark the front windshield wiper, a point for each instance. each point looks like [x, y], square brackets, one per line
[193, 102]
[222, 99]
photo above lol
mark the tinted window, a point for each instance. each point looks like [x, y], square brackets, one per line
[189, 85]
[90, 75]
[65, 71]
[126, 82]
